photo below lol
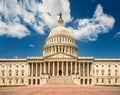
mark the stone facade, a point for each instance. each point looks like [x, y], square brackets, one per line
[60, 62]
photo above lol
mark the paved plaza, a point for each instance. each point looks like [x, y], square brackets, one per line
[60, 90]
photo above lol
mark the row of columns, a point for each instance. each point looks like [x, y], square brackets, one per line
[62, 39]
[55, 49]
[65, 68]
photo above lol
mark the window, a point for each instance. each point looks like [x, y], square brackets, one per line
[16, 80]
[102, 72]
[10, 81]
[22, 72]
[22, 80]
[109, 72]
[116, 80]
[109, 81]
[17, 66]
[10, 72]
[116, 71]
[3, 80]
[102, 65]
[3, 72]
[3, 66]
[97, 71]
[10, 66]
[17, 72]
[97, 80]
[102, 80]
[96, 65]
[108, 65]
[115, 65]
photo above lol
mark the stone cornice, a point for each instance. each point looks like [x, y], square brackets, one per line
[79, 57]
[13, 60]
[107, 59]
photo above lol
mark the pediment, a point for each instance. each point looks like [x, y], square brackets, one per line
[60, 55]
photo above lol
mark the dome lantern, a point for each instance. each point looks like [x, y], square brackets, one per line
[60, 21]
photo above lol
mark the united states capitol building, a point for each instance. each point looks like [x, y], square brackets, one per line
[60, 64]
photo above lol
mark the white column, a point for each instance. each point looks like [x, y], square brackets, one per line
[36, 69]
[44, 67]
[91, 69]
[79, 69]
[57, 68]
[55, 48]
[62, 69]
[75, 67]
[32, 69]
[65, 49]
[49, 68]
[39, 70]
[83, 69]
[53, 69]
[88, 69]
[71, 67]
[67, 68]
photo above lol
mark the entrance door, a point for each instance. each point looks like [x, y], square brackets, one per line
[60, 72]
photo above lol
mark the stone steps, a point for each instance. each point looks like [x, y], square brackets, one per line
[60, 80]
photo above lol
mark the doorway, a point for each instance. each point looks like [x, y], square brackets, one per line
[60, 72]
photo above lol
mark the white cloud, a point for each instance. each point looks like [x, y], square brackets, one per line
[37, 15]
[89, 29]
[15, 15]
[117, 35]
[31, 45]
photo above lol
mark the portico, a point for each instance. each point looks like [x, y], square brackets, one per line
[60, 68]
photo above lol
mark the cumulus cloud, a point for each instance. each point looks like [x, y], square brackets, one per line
[117, 35]
[89, 29]
[16, 15]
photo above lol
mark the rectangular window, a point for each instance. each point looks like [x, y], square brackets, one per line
[115, 80]
[97, 80]
[102, 80]
[22, 80]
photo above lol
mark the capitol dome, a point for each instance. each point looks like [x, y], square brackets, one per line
[60, 39]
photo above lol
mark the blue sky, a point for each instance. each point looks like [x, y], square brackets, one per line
[25, 24]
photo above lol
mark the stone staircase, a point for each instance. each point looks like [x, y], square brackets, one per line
[60, 80]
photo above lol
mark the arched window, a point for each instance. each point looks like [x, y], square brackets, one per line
[29, 81]
[38, 81]
[16, 80]
[33, 81]
[10, 81]
[96, 80]
[22, 80]
[90, 81]
[81, 81]
[102, 80]
[109, 80]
